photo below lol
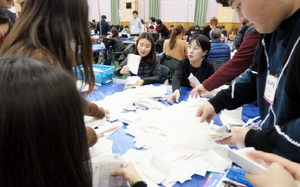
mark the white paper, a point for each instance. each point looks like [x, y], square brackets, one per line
[194, 79]
[133, 62]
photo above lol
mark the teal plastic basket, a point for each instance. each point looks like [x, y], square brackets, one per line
[103, 73]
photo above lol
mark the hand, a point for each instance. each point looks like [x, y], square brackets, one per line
[140, 82]
[192, 84]
[275, 176]
[108, 36]
[129, 173]
[206, 111]
[198, 90]
[174, 95]
[238, 137]
[292, 167]
[124, 70]
[106, 113]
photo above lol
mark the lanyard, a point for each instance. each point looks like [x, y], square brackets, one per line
[280, 65]
[196, 72]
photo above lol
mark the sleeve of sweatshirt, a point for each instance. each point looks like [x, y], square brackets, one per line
[178, 75]
[239, 63]
[241, 92]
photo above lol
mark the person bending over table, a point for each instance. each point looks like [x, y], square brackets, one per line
[43, 140]
[149, 69]
[273, 80]
[199, 46]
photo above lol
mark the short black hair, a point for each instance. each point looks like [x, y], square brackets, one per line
[103, 16]
[126, 26]
[158, 21]
[135, 12]
[151, 27]
[152, 19]
[223, 2]
[202, 41]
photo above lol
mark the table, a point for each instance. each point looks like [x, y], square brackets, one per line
[100, 50]
[123, 141]
[129, 41]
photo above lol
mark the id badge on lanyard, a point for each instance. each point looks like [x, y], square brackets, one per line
[270, 89]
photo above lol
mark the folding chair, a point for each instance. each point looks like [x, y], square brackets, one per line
[169, 62]
[121, 55]
[217, 64]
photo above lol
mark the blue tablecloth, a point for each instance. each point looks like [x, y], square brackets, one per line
[123, 141]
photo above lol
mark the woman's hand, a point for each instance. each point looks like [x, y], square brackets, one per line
[140, 82]
[124, 70]
[175, 95]
[129, 173]
[198, 90]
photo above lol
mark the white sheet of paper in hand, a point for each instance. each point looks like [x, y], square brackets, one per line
[133, 62]
[194, 79]
[239, 157]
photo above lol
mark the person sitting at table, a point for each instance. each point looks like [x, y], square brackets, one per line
[115, 41]
[186, 36]
[231, 37]
[219, 50]
[199, 46]
[46, 144]
[149, 69]
[57, 40]
[175, 46]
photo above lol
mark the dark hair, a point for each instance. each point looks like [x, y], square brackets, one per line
[192, 28]
[151, 27]
[178, 30]
[152, 19]
[4, 19]
[158, 21]
[126, 26]
[103, 17]
[223, 2]
[142, 21]
[151, 57]
[202, 41]
[115, 32]
[233, 29]
[135, 12]
[93, 20]
[171, 25]
[223, 27]
[57, 29]
[43, 138]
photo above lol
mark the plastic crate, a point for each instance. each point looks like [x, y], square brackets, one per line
[103, 73]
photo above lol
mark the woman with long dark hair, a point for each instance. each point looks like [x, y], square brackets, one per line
[43, 140]
[149, 69]
[56, 32]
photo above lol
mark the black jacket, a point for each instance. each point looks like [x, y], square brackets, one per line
[150, 74]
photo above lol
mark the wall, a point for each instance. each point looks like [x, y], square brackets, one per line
[104, 6]
[172, 12]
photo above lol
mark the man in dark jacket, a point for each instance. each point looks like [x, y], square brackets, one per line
[273, 79]
[162, 29]
[219, 50]
[104, 27]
